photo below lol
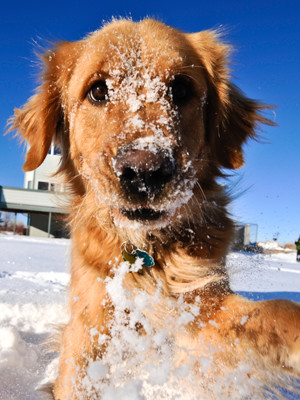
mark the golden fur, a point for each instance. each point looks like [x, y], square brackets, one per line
[194, 127]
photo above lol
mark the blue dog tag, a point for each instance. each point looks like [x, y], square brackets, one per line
[148, 261]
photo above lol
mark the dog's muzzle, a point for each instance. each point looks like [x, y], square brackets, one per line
[143, 174]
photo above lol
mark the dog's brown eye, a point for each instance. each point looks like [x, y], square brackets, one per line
[98, 92]
[181, 90]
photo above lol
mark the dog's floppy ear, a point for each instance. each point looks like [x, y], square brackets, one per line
[231, 124]
[41, 120]
[231, 116]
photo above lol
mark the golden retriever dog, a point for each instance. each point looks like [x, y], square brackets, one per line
[147, 120]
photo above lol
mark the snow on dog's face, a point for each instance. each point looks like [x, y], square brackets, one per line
[137, 123]
[145, 116]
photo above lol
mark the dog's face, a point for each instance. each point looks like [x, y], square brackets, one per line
[137, 122]
[146, 118]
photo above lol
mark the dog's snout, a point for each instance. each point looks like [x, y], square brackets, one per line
[144, 172]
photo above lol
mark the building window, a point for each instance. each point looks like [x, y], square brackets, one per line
[43, 186]
[57, 150]
[54, 150]
[29, 185]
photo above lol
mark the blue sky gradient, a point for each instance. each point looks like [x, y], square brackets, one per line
[265, 62]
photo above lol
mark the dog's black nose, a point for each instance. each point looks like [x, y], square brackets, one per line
[142, 172]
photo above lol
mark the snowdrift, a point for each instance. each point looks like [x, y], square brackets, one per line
[33, 301]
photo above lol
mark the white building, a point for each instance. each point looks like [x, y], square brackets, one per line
[43, 177]
[43, 199]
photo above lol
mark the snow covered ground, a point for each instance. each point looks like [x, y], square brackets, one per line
[33, 296]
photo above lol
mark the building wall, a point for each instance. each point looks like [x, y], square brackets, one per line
[39, 223]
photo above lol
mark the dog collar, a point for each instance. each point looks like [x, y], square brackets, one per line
[130, 253]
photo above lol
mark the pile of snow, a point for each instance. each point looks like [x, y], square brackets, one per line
[273, 245]
[33, 282]
[265, 273]
[33, 298]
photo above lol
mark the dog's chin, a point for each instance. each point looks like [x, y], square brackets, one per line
[140, 218]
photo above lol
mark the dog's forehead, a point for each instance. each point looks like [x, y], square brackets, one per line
[131, 46]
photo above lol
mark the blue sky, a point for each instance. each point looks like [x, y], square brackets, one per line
[266, 66]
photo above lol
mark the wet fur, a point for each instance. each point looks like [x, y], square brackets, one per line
[190, 247]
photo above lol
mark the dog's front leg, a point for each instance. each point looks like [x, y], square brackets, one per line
[70, 363]
[78, 348]
[268, 330]
[82, 337]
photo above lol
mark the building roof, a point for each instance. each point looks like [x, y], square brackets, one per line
[27, 200]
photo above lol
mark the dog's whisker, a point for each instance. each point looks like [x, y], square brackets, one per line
[201, 191]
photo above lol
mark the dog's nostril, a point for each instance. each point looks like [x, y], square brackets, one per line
[128, 174]
[144, 173]
[161, 176]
